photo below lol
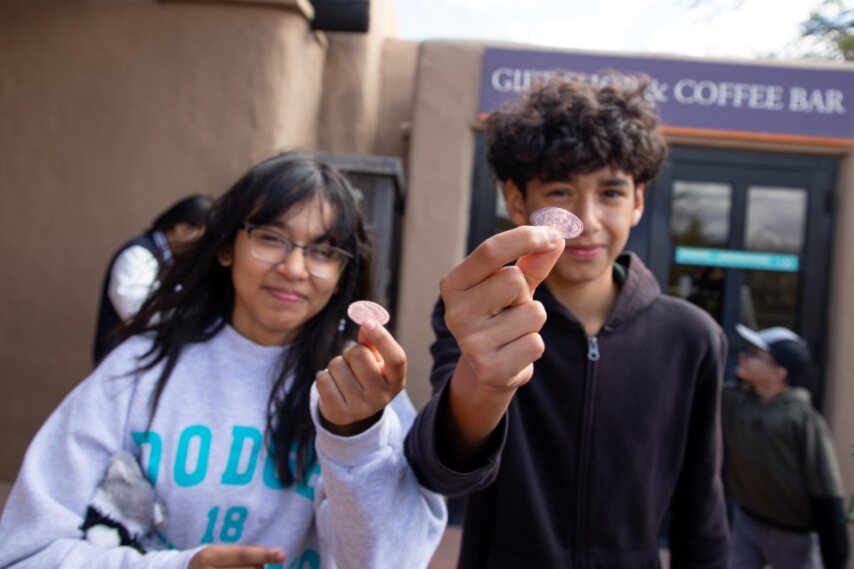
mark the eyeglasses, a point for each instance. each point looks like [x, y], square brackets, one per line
[321, 260]
[759, 355]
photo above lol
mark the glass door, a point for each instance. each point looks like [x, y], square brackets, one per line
[745, 236]
[700, 221]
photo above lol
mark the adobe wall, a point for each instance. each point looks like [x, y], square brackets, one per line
[111, 112]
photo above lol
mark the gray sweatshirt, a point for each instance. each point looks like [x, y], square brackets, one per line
[205, 453]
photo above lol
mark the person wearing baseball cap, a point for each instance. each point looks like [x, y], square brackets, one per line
[783, 474]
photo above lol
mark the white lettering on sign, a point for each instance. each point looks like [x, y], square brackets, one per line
[690, 91]
[507, 80]
[657, 92]
[723, 94]
[816, 101]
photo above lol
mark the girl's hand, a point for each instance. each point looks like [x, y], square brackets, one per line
[235, 557]
[360, 382]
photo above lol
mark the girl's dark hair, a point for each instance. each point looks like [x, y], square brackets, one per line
[195, 298]
[566, 127]
[191, 210]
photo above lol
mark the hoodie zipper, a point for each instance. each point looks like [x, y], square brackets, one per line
[593, 357]
[593, 348]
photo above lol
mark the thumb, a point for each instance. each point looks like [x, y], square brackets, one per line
[537, 266]
[366, 339]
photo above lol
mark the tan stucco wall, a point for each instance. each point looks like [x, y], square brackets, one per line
[352, 80]
[112, 111]
[397, 90]
[839, 392]
[440, 162]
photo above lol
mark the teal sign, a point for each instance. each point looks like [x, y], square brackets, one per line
[737, 259]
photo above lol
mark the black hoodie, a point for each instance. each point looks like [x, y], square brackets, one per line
[612, 433]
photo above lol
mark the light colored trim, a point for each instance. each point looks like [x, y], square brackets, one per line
[303, 6]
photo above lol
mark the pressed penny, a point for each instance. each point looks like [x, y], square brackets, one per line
[362, 310]
[564, 221]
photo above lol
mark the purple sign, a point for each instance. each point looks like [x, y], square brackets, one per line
[694, 94]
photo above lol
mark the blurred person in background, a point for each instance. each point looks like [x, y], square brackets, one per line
[132, 273]
[784, 477]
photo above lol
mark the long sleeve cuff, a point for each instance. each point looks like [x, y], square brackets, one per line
[357, 449]
[433, 473]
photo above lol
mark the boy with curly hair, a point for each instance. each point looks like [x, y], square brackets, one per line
[575, 416]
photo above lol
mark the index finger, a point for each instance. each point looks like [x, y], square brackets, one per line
[245, 555]
[537, 266]
[500, 250]
[392, 358]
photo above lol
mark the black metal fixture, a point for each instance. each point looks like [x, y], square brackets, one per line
[341, 15]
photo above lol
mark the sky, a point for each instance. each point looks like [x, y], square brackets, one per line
[704, 28]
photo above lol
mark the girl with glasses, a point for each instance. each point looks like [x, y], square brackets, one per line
[258, 412]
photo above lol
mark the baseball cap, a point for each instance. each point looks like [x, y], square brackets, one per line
[787, 348]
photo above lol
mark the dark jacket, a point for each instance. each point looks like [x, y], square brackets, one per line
[109, 324]
[611, 434]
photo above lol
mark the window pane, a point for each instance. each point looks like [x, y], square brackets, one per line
[703, 286]
[700, 214]
[700, 218]
[771, 298]
[776, 218]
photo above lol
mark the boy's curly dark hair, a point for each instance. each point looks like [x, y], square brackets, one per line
[565, 127]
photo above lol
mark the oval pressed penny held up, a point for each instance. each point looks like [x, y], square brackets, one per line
[362, 310]
[566, 222]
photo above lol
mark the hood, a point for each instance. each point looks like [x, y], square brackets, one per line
[639, 291]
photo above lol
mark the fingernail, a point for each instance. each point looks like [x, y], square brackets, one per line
[553, 236]
[369, 324]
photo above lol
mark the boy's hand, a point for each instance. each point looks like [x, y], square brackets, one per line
[360, 382]
[489, 308]
[235, 557]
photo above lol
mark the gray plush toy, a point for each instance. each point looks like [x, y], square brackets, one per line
[125, 510]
